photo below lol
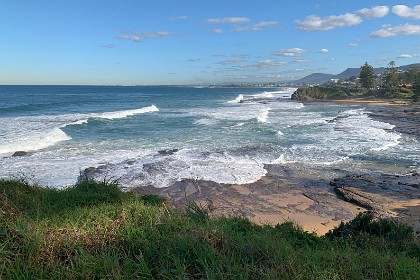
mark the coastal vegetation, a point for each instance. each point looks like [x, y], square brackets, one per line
[392, 85]
[95, 231]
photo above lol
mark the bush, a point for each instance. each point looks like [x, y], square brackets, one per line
[366, 230]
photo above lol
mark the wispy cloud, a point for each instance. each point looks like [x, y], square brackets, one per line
[238, 24]
[139, 36]
[266, 64]
[300, 60]
[404, 11]
[231, 20]
[289, 52]
[218, 30]
[408, 55]
[229, 62]
[109, 46]
[353, 45]
[406, 29]
[256, 27]
[323, 51]
[193, 59]
[179, 18]
[316, 23]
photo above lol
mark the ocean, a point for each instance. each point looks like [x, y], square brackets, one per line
[156, 135]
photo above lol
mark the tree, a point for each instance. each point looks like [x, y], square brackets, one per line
[413, 77]
[391, 80]
[367, 77]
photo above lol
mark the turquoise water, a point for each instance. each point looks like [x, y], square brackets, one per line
[222, 134]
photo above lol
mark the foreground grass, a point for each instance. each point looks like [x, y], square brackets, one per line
[95, 231]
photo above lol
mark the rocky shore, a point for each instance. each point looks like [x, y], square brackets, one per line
[315, 200]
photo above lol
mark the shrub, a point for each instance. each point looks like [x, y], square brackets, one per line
[366, 230]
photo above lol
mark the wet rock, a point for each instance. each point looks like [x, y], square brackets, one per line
[20, 154]
[386, 195]
[168, 152]
[90, 173]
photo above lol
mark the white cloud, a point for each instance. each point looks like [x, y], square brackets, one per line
[231, 20]
[256, 27]
[404, 11]
[300, 60]
[406, 29]
[353, 45]
[313, 22]
[323, 51]
[408, 55]
[405, 56]
[268, 64]
[289, 52]
[375, 12]
[141, 36]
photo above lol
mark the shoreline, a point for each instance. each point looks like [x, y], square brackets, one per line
[309, 198]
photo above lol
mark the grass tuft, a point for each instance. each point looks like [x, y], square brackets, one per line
[95, 231]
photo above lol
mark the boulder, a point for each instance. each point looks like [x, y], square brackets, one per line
[20, 154]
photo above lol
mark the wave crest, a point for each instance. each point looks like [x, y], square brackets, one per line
[126, 113]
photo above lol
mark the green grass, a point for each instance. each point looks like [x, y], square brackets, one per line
[95, 231]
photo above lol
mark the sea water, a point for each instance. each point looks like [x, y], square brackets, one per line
[157, 135]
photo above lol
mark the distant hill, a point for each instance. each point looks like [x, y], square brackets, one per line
[315, 78]
[320, 78]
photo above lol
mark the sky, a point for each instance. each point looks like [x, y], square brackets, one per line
[179, 42]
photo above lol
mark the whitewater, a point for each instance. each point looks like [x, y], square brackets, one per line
[159, 135]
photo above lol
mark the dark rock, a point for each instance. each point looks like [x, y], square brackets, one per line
[147, 189]
[352, 196]
[301, 97]
[90, 173]
[20, 154]
[168, 152]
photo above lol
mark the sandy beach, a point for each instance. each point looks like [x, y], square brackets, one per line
[313, 199]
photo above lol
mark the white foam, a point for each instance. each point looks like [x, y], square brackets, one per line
[263, 116]
[280, 160]
[34, 141]
[163, 171]
[126, 113]
[32, 133]
[78, 122]
[393, 142]
[239, 124]
[265, 94]
[238, 99]
[206, 121]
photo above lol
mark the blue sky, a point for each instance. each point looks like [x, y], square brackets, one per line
[128, 42]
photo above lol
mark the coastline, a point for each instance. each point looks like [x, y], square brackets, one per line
[310, 198]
